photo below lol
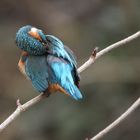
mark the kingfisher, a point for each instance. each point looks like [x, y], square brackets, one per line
[47, 62]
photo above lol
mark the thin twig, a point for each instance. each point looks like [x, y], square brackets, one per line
[107, 49]
[19, 110]
[93, 57]
[102, 133]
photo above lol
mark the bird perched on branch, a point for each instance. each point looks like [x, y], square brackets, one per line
[49, 64]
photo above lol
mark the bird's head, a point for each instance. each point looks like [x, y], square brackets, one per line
[31, 40]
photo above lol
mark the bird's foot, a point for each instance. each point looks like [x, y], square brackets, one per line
[46, 94]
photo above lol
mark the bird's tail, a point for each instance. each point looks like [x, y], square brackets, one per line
[73, 91]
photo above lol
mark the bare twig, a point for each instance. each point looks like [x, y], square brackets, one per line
[107, 49]
[20, 109]
[117, 121]
[93, 57]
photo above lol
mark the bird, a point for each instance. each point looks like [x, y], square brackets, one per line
[47, 62]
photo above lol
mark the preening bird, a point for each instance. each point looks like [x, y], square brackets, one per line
[49, 64]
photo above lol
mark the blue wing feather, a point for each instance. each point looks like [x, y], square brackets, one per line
[57, 48]
[61, 72]
[37, 71]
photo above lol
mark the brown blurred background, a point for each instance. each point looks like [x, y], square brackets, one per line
[109, 87]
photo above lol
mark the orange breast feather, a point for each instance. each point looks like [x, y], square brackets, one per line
[56, 87]
[21, 66]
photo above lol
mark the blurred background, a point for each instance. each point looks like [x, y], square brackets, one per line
[109, 87]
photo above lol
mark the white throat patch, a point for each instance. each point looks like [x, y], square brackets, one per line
[34, 29]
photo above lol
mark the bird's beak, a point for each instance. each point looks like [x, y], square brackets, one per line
[42, 36]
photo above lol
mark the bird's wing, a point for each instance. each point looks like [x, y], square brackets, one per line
[60, 71]
[73, 59]
[37, 71]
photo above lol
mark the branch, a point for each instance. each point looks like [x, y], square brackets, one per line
[93, 57]
[20, 109]
[102, 133]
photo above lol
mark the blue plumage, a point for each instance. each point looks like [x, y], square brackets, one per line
[56, 48]
[37, 70]
[29, 44]
[48, 62]
[61, 73]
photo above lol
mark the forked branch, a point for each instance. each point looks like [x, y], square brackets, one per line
[91, 60]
